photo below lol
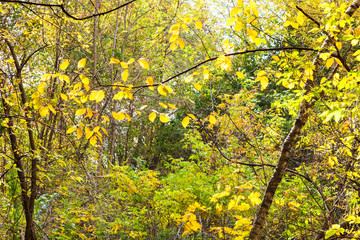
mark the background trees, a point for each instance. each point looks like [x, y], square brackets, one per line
[166, 119]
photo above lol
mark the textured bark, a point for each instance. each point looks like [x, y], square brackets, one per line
[305, 110]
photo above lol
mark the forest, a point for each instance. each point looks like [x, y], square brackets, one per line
[179, 119]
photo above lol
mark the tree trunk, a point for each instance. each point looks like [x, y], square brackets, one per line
[305, 109]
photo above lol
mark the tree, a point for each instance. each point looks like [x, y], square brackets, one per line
[96, 101]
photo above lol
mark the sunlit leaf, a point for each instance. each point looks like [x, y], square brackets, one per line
[240, 75]
[212, 119]
[185, 122]
[118, 116]
[80, 112]
[163, 105]
[125, 75]
[198, 25]
[97, 96]
[164, 118]
[82, 63]
[143, 63]
[71, 130]
[329, 62]
[197, 86]
[172, 106]
[152, 116]
[114, 61]
[64, 65]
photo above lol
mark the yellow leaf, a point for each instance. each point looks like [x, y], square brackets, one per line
[224, 62]
[255, 198]
[174, 28]
[80, 112]
[41, 88]
[240, 75]
[120, 95]
[238, 26]
[206, 74]
[240, 3]
[84, 98]
[143, 63]
[164, 118]
[79, 133]
[125, 75]
[114, 61]
[212, 119]
[197, 86]
[104, 131]
[64, 65]
[97, 96]
[152, 116]
[71, 130]
[329, 62]
[188, 78]
[89, 113]
[300, 19]
[124, 65]
[264, 81]
[251, 32]
[231, 204]
[44, 111]
[276, 58]
[185, 122]
[164, 90]
[46, 77]
[168, 89]
[131, 60]
[198, 25]
[88, 133]
[106, 118]
[87, 87]
[173, 38]
[118, 116]
[85, 80]
[261, 73]
[150, 81]
[82, 63]
[64, 78]
[230, 21]
[51, 109]
[128, 117]
[187, 20]
[172, 106]
[235, 11]
[173, 46]
[163, 105]
[63, 97]
[309, 73]
[93, 140]
[192, 116]
[218, 208]
[181, 43]
[338, 45]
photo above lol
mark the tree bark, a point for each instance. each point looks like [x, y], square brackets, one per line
[303, 115]
[28, 202]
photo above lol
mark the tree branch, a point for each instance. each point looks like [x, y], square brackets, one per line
[214, 58]
[62, 7]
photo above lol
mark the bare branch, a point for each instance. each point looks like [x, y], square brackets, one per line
[62, 7]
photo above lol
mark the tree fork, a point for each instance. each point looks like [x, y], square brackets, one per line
[305, 109]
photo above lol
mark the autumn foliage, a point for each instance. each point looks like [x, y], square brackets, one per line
[164, 119]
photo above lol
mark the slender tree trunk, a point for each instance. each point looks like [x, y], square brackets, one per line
[305, 110]
[28, 202]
